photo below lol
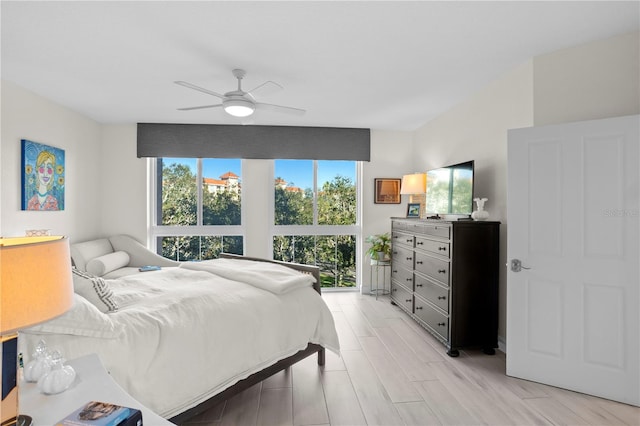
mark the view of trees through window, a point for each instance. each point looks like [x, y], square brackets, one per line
[197, 196]
[186, 200]
[199, 247]
[329, 199]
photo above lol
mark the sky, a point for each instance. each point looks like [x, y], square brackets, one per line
[296, 172]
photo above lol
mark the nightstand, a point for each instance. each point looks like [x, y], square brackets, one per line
[93, 383]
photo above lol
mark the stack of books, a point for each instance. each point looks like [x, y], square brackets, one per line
[96, 413]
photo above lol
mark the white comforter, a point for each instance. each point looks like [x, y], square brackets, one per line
[181, 336]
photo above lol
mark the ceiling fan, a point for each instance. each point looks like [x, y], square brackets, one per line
[239, 103]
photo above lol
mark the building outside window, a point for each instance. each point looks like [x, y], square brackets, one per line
[198, 213]
[198, 208]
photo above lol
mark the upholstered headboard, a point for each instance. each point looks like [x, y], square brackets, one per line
[104, 255]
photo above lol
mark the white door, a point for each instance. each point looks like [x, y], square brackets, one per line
[573, 221]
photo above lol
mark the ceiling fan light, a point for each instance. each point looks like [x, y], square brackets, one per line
[238, 107]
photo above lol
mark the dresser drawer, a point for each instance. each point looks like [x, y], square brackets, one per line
[399, 225]
[402, 297]
[400, 238]
[402, 276]
[433, 246]
[440, 231]
[437, 321]
[402, 255]
[435, 268]
[432, 291]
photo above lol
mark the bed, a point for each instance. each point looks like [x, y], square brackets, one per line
[189, 335]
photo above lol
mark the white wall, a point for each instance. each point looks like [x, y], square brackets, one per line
[124, 183]
[256, 192]
[595, 80]
[477, 130]
[391, 157]
[26, 115]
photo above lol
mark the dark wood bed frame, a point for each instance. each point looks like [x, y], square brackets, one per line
[272, 369]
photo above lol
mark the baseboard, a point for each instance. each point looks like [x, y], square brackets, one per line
[502, 345]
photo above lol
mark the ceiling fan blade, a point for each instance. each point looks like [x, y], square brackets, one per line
[199, 107]
[281, 108]
[266, 88]
[198, 88]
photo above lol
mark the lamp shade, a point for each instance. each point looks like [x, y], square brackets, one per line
[35, 281]
[415, 183]
[388, 187]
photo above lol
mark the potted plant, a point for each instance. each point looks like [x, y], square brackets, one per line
[380, 248]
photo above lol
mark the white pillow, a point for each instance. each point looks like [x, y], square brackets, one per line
[83, 319]
[107, 263]
[95, 290]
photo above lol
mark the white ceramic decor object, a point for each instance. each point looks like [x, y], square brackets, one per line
[39, 365]
[480, 213]
[59, 378]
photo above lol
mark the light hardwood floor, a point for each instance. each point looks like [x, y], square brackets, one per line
[365, 386]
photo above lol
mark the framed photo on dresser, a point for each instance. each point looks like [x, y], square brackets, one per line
[413, 210]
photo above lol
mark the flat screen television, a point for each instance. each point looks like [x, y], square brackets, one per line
[450, 190]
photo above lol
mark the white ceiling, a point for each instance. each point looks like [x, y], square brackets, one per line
[384, 65]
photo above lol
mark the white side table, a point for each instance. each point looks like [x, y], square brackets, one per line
[377, 264]
[92, 383]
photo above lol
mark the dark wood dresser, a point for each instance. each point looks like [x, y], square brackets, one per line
[445, 275]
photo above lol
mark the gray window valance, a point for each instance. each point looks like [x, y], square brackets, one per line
[256, 142]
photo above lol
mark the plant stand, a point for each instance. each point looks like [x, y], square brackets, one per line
[377, 264]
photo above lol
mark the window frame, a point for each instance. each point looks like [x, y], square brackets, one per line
[322, 230]
[154, 211]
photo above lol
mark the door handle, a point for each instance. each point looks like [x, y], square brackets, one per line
[516, 265]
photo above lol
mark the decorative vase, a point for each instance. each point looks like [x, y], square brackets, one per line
[379, 257]
[480, 213]
[59, 378]
[39, 365]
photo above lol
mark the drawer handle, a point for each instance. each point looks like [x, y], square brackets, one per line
[418, 307]
[418, 262]
[410, 241]
[442, 248]
[395, 271]
[442, 324]
[408, 300]
[394, 289]
[409, 258]
[442, 297]
[442, 271]
[409, 279]
[418, 285]
[419, 243]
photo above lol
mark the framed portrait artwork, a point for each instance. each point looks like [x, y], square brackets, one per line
[413, 210]
[43, 178]
[386, 191]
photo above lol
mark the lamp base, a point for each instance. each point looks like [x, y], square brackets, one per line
[24, 420]
[420, 198]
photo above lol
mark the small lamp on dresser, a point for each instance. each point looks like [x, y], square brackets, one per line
[35, 286]
[415, 185]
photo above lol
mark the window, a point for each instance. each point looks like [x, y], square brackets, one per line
[197, 212]
[198, 208]
[315, 217]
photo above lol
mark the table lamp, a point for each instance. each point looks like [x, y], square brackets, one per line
[35, 286]
[415, 185]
